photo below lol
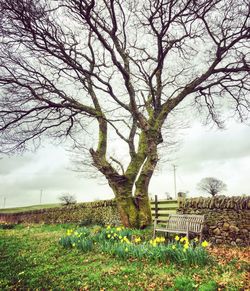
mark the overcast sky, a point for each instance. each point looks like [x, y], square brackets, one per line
[204, 152]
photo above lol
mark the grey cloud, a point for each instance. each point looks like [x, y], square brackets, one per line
[203, 146]
[10, 164]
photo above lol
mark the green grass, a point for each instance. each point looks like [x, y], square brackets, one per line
[31, 257]
[28, 208]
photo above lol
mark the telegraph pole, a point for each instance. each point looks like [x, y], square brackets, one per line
[175, 194]
[41, 194]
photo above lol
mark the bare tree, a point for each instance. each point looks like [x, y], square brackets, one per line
[89, 71]
[211, 185]
[67, 199]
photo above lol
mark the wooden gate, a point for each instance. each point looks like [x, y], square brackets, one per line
[162, 208]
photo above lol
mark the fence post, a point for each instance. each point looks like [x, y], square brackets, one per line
[156, 207]
[181, 200]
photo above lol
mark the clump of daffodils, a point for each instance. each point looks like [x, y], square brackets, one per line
[156, 241]
[116, 234]
[185, 243]
[183, 240]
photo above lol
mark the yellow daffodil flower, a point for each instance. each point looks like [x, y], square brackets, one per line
[177, 238]
[162, 239]
[204, 244]
[137, 239]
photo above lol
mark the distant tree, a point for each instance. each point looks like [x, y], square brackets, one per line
[211, 185]
[168, 196]
[67, 199]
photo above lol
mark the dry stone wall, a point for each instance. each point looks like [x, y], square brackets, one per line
[100, 212]
[227, 219]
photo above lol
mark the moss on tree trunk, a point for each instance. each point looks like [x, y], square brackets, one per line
[134, 212]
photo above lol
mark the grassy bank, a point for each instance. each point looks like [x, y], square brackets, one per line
[29, 208]
[31, 257]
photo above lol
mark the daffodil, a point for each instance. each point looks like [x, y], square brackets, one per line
[177, 238]
[173, 247]
[69, 232]
[185, 246]
[109, 235]
[162, 239]
[137, 239]
[184, 239]
[204, 244]
[126, 250]
[118, 229]
[108, 227]
[196, 239]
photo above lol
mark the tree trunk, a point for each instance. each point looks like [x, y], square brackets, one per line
[134, 211]
[133, 206]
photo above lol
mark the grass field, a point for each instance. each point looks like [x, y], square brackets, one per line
[31, 257]
[28, 208]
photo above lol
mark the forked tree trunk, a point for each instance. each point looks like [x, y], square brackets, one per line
[130, 188]
[134, 211]
[134, 206]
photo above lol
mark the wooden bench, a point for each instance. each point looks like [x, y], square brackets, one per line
[181, 224]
